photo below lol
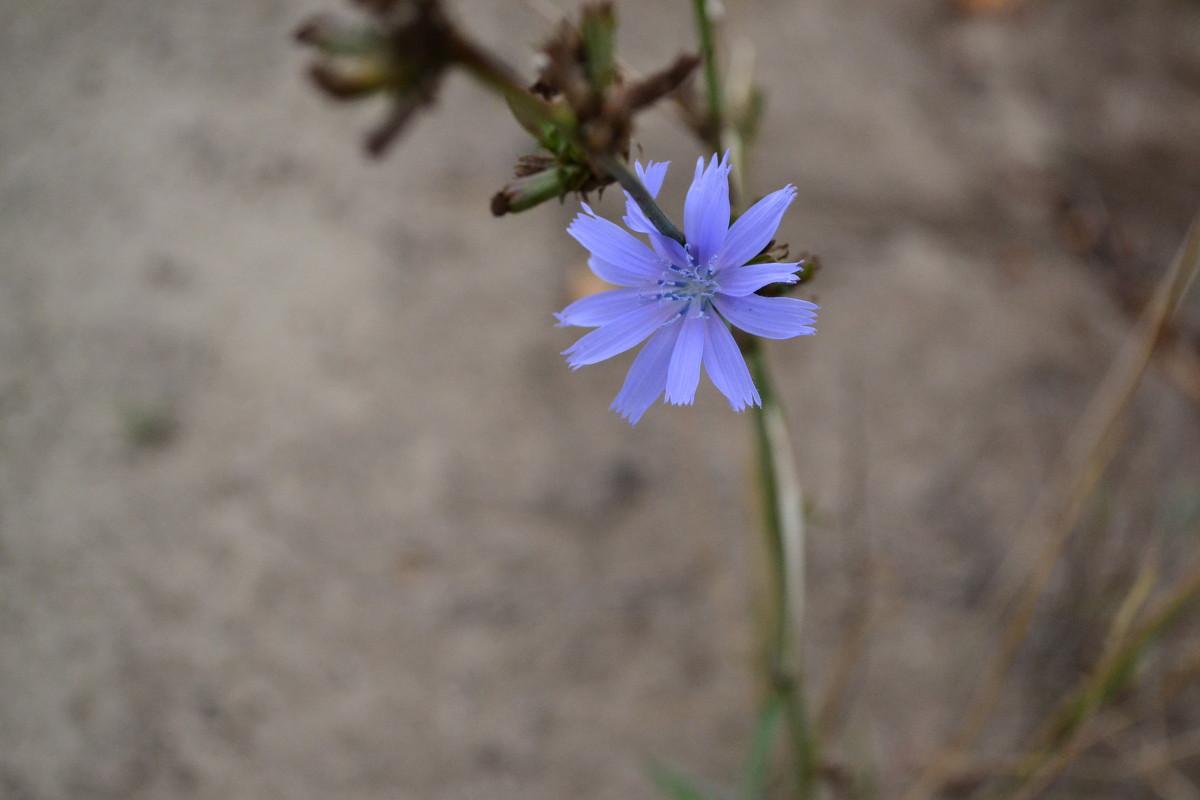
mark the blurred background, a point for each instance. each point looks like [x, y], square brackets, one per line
[299, 500]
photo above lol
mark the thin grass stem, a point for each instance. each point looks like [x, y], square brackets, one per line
[784, 529]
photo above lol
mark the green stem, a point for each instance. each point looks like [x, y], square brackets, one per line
[719, 134]
[784, 524]
[712, 73]
[640, 194]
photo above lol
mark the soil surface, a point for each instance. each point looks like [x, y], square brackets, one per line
[299, 500]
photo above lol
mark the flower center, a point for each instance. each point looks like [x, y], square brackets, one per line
[690, 285]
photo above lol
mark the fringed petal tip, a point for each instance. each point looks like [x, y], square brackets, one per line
[739, 408]
[706, 208]
[712, 162]
[652, 174]
[630, 415]
[752, 231]
[647, 377]
[741, 281]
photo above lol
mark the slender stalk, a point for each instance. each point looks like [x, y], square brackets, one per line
[712, 72]
[718, 132]
[637, 190]
[784, 528]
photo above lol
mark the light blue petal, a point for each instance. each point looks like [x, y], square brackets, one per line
[742, 281]
[683, 376]
[621, 334]
[648, 376]
[607, 242]
[726, 367]
[668, 249]
[706, 210]
[635, 218]
[652, 176]
[769, 317]
[602, 307]
[618, 276]
[751, 232]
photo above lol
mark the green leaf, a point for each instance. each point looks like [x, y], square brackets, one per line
[754, 777]
[526, 113]
[675, 785]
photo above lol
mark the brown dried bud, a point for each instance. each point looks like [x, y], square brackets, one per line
[579, 77]
[404, 51]
[349, 79]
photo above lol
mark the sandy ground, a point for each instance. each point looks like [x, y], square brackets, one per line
[298, 499]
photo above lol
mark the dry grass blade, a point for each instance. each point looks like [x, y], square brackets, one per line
[1182, 365]
[1059, 744]
[1087, 455]
[1077, 706]
[1095, 731]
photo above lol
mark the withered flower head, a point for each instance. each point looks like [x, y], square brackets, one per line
[581, 80]
[403, 50]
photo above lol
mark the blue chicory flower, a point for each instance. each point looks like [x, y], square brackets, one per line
[681, 296]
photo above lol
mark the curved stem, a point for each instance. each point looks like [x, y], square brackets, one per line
[784, 527]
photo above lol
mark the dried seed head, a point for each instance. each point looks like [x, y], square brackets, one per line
[578, 74]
